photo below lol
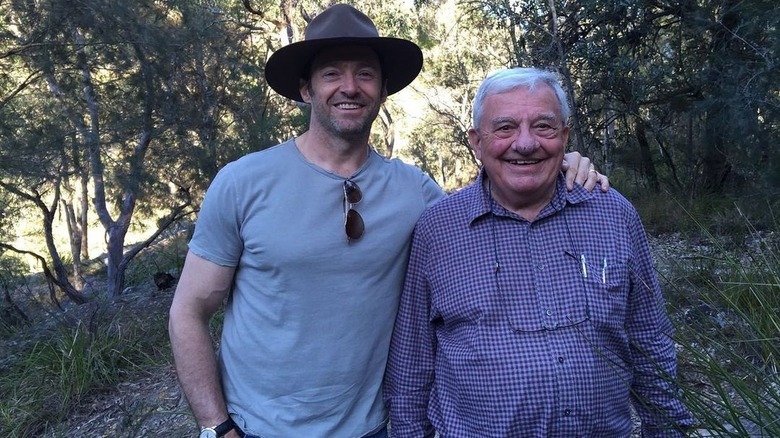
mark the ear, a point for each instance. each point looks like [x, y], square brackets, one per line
[383, 97]
[303, 88]
[475, 142]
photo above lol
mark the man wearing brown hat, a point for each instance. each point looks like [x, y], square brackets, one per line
[308, 241]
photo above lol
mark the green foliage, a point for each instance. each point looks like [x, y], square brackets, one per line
[679, 98]
[727, 309]
[143, 101]
[451, 168]
[720, 215]
[42, 383]
[215, 326]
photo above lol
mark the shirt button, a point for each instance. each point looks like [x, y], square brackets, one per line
[567, 412]
[548, 312]
[560, 359]
[540, 267]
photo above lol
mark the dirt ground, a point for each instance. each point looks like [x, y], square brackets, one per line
[152, 406]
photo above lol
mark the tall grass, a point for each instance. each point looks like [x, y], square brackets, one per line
[727, 311]
[52, 375]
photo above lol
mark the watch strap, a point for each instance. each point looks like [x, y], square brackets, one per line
[224, 427]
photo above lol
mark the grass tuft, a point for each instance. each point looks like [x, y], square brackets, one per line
[53, 375]
[728, 332]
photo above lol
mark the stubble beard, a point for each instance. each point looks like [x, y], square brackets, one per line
[349, 129]
[346, 128]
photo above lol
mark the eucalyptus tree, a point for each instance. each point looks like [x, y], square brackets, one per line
[150, 99]
[681, 87]
[31, 172]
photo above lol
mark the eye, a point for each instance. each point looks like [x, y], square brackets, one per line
[367, 74]
[330, 74]
[504, 131]
[544, 128]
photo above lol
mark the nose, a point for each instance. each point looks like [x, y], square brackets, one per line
[349, 85]
[525, 143]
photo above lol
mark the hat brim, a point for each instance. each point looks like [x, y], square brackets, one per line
[401, 61]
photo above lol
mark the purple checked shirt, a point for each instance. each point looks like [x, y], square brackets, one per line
[550, 328]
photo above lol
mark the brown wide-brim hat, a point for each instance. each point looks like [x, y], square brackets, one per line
[342, 25]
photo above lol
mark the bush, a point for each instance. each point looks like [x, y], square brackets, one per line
[728, 333]
[96, 351]
[713, 215]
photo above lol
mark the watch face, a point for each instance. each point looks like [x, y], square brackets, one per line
[207, 432]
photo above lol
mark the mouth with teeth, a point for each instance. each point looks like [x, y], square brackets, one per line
[523, 162]
[348, 106]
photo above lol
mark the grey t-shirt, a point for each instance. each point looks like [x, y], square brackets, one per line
[308, 324]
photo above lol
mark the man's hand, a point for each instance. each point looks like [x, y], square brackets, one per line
[579, 169]
[203, 285]
[232, 434]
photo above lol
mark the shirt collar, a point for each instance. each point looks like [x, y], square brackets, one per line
[481, 203]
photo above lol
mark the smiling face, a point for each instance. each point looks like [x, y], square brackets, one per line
[345, 90]
[520, 141]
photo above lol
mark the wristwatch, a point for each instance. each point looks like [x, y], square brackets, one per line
[217, 431]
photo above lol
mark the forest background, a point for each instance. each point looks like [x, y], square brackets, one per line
[115, 116]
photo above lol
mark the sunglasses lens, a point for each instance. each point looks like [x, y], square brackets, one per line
[354, 225]
[352, 192]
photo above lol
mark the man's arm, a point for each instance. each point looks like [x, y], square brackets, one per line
[579, 169]
[410, 365]
[654, 385]
[201, 290]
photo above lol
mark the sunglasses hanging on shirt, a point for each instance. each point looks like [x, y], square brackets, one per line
[353, 222]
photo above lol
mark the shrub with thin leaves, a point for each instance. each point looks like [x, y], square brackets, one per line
[56, 373]
[728, 332]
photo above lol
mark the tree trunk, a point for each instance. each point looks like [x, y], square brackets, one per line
[647, 166]
[60, 271]
[115, 272]
[83, 215]
[715, 166]
[75, 232]
[388, 132]
[74, 237]
[11, 313]
[60, 275]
